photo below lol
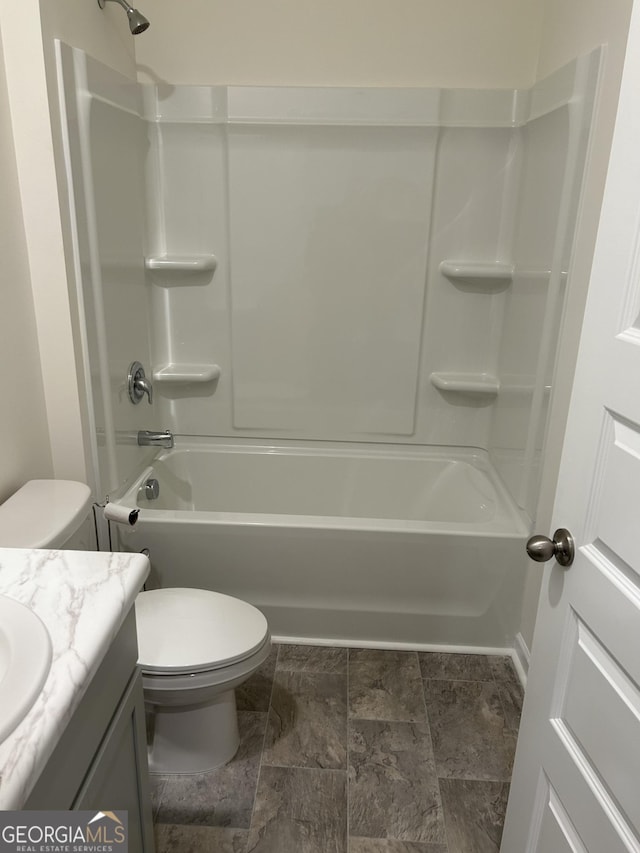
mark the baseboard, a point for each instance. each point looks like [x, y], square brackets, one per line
[381, 644]
[521, 656]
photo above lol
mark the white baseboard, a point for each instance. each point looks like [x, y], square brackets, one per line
[521, 656]
[408, 647]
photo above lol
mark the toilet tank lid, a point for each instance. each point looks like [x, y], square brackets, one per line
[43, 514]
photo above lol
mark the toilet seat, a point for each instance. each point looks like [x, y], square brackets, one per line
[192, 688]
[184, 630]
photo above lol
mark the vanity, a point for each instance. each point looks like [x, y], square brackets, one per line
[82, 743]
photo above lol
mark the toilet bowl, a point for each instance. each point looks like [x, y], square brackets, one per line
[195, 646]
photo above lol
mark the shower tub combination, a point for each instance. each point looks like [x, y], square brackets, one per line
[262, 311]
[389, 546]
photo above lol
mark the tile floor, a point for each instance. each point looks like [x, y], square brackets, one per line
[356, 751]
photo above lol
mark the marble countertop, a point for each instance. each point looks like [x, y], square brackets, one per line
[82, 597]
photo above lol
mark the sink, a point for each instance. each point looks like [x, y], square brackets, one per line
[25, 659]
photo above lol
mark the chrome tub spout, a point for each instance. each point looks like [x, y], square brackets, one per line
[148, 438]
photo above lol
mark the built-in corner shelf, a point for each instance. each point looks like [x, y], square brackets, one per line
[466, 383]
[482, 277]
[182, 263]
[187, 373]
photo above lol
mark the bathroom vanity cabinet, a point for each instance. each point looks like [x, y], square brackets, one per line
[100, 761]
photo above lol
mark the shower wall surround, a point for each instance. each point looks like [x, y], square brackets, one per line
[553, 152]
[351, 265]
[101, 121]
[390, 263]
[329, 212]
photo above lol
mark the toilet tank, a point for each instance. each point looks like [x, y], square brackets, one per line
[48, 514]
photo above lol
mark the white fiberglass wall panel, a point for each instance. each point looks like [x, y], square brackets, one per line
[471, 224]
[545, 152]
[380, 211]
[329, 231]
[190, 312]
[117, 184]
[554, 149]
[106, 140]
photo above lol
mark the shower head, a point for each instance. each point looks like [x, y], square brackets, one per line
[137, 21]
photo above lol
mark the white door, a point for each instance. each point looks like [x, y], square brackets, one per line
[576, 781]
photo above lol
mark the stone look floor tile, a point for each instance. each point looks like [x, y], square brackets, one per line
[312, 659]
[171, 838]
[385, 685]
[502, 669]
[255, 693]
[455, 667]
[511, 696]
[157, 784]
[391, 845]
[393, 789]
[299, 811]
[474, 814]
[468, 729]
[509, 688]
[474, 705]
[222, 797]
[307, 724]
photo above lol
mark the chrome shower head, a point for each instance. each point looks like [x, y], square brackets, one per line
[137, 21]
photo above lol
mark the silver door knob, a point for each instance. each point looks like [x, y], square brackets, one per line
[541, 548]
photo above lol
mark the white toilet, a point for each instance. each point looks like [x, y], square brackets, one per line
[195, 646]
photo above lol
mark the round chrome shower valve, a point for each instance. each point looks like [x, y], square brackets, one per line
[137, 383]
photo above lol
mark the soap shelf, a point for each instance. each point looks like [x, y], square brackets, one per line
[187, 373]
[181, 263]
[466, 383]
[481, 277]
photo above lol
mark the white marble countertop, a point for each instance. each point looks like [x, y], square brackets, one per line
[82, 597]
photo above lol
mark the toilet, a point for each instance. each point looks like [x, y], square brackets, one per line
[195, 646]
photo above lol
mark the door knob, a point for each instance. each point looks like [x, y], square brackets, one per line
[541, 548]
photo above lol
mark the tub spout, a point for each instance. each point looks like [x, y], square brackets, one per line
[148, 438]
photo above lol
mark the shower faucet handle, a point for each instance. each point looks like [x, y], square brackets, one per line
[138, 385]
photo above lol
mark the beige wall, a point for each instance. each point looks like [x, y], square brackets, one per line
[24, 438]
[456, 43]
[571, 28]
[30, 72]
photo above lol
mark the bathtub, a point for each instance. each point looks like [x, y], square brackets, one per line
[387, 547]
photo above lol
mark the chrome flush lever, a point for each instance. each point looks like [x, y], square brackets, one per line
[138, 384]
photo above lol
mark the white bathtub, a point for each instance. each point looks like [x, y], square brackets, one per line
[386, 546]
